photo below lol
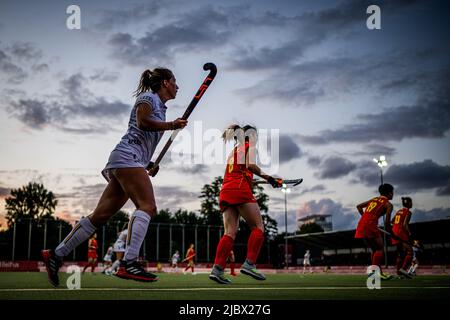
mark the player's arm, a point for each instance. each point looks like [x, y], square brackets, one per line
[387, 221]
[144, 122]
[361, 207]
[393, 220]
[406, 223]
[250, 163]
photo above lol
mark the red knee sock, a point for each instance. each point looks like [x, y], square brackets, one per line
[377, 258]
[232, 267]
[223, 250]
[255, 242]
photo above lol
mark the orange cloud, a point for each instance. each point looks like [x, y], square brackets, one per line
[65, 215]
[3, 224]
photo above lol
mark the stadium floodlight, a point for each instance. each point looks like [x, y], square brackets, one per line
[285, 190]
[381, 162]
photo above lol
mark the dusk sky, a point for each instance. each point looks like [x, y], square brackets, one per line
[337, 93]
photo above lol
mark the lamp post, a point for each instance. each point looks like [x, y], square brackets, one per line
[383, 163]
[285, 190]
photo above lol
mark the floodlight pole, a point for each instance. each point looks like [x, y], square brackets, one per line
[285, 228]
[382, 163]
[285, 190]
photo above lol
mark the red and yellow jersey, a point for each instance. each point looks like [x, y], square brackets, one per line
[399, 220]
[93, 245]
[374, 210]
[237, 176]
[190, 253]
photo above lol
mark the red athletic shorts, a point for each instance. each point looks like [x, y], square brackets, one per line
[401, 234]
[92, 254]
[232, 197]
[365, 230]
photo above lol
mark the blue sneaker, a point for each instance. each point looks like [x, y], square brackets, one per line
[218, 275]
[250, 270]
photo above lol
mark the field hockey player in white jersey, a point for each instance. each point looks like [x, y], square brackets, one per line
[128, 177]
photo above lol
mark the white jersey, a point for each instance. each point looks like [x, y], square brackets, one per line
[108, 255]
[120, 244]
[137, 146]
[175, 258]
[306, 258]
[123, 236]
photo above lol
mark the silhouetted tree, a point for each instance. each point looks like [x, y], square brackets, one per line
[32, 201]
[209, 209]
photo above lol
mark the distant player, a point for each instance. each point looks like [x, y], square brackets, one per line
[190, 254]
[92, 253]
[119, 248]
[231, 261]
[307, 261]
[175, 259]
[367, 228]
[107, 259]
[415, 260]
[400, 230]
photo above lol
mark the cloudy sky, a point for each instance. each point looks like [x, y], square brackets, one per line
[337, 93]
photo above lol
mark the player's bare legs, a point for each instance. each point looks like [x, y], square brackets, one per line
[137, 185]
[111, 201]
[231, 225]
[252, 215]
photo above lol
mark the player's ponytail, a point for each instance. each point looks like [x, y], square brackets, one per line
[151, 80]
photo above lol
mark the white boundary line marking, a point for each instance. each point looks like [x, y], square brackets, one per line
[212, 289]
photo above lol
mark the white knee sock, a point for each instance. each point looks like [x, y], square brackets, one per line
[80, 233]
[137, 229]
[115, 266]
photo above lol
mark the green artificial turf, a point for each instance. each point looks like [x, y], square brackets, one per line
[34, 285]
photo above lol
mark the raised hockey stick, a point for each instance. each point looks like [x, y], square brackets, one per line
[393, 236]
[212, 73]
[189, 257]
[293, 182]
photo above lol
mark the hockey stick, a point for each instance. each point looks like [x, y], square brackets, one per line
[393, 236]
[294, 182]
[188, 258]
[212, 73]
